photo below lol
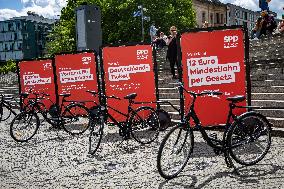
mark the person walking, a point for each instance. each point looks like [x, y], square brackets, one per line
[172, 50]
[153, 32]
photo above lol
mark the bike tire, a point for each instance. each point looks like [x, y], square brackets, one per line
[28, 122]
[5, 112]
[96, 134]
[249, 138]
[179, 141]
[75, 119]
[145, 125]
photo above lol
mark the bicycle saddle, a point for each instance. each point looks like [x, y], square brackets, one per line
[65, 95]
[235, 99]
[25, 95]
[130, 96]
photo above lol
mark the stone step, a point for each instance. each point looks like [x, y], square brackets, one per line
[170, 109]
[264, 63]
[262, 71]
[267, 96]
[266, 42]
[268, 103]
[276, 113]
[262, 77]
[169, 95]
[267, 83]
[168, 90]
[271, 89]
[168, 84]
[276, 122]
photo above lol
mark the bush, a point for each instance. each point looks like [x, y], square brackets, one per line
[9, 66]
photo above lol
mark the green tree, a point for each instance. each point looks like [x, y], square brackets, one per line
[9, 66]
[118, 23]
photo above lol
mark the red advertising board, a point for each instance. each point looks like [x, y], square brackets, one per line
[213, 60]
[128, 69]
[36, 76]
[77, 73]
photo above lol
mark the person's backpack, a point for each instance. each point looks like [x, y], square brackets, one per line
[272, 22]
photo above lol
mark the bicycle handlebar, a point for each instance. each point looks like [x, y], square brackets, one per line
[95, 93]
[92, 92]
[200, 94]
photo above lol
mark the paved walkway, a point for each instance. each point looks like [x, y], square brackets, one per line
[53, 159]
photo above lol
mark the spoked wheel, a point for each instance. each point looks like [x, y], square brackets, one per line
[24, 126]
[175, 151]
[96, 134]
[249, 138]
[75, 119]
[145, 125]
[5, 113]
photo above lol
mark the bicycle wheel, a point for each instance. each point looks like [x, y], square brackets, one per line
[145, 125]
[75, 119]
[24, 126]
[175, 151]
[96, 133]
[5, 112]
[249, 138]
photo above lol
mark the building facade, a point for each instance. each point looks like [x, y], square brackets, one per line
[240, 16]
[24, 37]
[212, 11]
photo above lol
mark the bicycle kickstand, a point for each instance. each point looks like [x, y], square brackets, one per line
[126, 148]
[230, 163]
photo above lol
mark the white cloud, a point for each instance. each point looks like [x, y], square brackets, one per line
[274, 5]
[46, 8]
[8, 13]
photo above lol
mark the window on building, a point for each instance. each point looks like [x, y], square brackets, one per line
[217, 18]
[1, 27]
[25, 36]
[237, 22]
[15, 36]
[237, 13]
[245, 15]
[222, 19]
[10, 26]
[25, 26]
[203, 17]
[19, 26]
[20, 46]
[211, 18]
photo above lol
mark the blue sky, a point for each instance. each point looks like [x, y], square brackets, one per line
[51, 8]
[11, 4]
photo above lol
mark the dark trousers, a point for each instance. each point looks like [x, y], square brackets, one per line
[173, 62]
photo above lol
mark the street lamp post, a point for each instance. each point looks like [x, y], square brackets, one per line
[142, 20]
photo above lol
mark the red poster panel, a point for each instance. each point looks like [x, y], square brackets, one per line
[37, 77]
[213, 61]
[76, 73]
[128, 69]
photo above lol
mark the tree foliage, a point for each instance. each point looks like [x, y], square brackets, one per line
[118, 23]
[9, 66]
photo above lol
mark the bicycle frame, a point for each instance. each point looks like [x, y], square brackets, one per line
[127, 116]
[220, 144]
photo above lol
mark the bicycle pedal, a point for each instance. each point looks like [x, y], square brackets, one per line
[217, 152]
[213, 135]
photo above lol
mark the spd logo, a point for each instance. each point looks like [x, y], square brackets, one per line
[231, 41]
